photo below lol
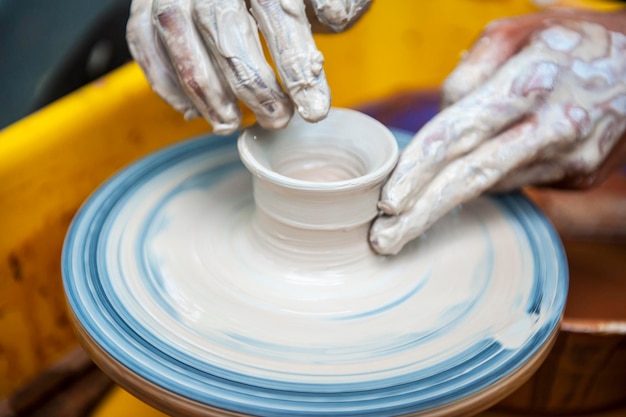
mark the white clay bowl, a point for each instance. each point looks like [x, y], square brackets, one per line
[201, 302]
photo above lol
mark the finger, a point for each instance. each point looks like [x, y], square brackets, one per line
[510, 95]
[536, 174]
[501, 39]
[197, 74]
[598, 150]
[593, 161]
[149, 54]
[616, 160]
[231, 34]
[299, 63]
[571, 172]
[339, 15]
[468, 177]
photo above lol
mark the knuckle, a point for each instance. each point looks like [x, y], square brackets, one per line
[138, 17]
[193, 85]
[579, 119]
[539, 77]
[581, 164]
[590, 152]
[216, 106]
[579, 173]
[339, 14]
[584, 161]
[244, 84]
[557, 135]
[204, 11]
[451, 90]
[167, 14]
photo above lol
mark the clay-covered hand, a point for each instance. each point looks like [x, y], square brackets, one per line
[203, 55]
[539, 99]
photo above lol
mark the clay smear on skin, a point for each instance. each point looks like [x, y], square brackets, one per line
[559, 104]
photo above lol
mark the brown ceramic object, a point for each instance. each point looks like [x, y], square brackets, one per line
[586, 370]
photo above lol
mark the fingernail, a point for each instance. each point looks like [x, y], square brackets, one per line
[224, 128]
[313, 103]
[226, 120]
[388, 207]
[384, 237]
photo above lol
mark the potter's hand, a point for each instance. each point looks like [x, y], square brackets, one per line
[203, 55]
[539, 99]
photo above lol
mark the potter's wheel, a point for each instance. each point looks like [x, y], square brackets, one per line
[175, 301]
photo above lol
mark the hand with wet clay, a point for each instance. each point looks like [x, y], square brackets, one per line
[540, 99]
[203, 55]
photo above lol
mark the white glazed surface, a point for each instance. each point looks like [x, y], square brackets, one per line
[164, 271]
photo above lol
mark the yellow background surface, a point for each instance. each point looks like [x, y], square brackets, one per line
[51, 161]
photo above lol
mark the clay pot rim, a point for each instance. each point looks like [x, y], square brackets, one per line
[594, 326]
[382, 170]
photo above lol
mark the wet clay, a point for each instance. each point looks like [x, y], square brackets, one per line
[252, 255]
[261, 288]
[317, 163]
[202, 56]
[554, 110]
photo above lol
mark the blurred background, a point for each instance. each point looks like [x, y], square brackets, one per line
[49, 48]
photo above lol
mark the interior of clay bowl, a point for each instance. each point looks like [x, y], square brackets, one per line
[346, 148]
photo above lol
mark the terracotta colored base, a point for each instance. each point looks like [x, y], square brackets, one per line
[586, 370]
[597, 281]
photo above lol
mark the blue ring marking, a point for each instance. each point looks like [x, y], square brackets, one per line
[166, 347]
[87, 298]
